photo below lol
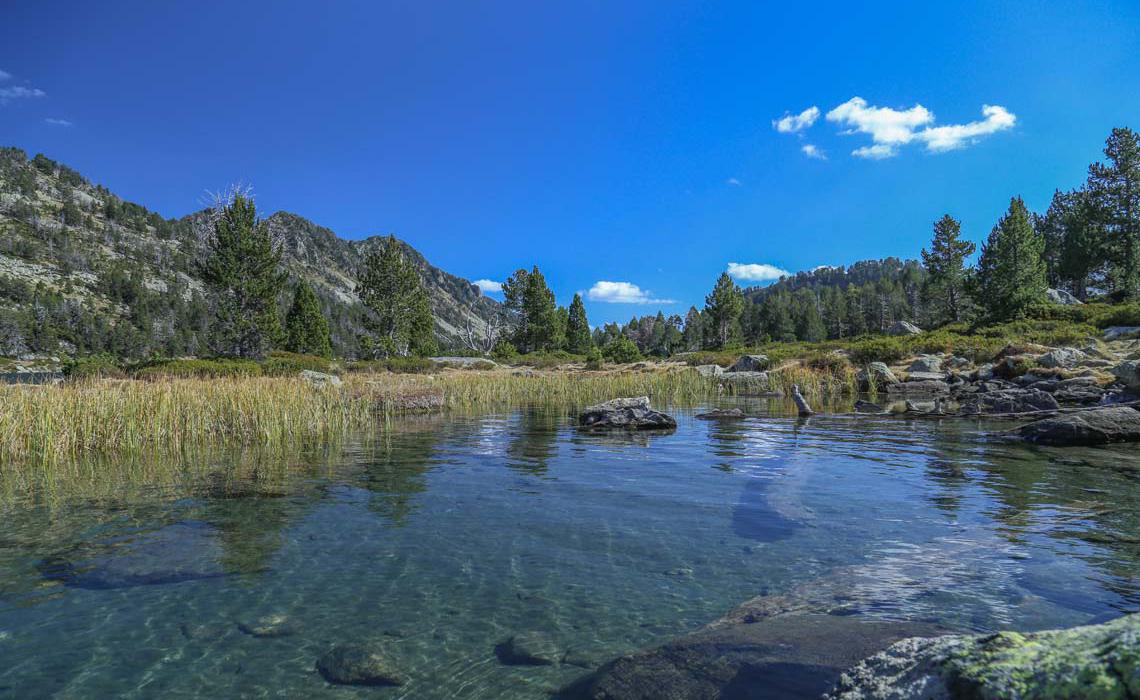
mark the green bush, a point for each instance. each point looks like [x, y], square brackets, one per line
[827, 361]
[711, 357]
[102, 366]
[594, 359]
[1123, 315]
[280, 363]
[621, 350]
[884, 349]
[547, 359]
[199, 369]
[504, 352]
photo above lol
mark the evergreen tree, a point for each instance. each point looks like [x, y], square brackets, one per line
[242, 272]
[945, 264]
[306, 328]
[399, 320]
[578, 328]
[1011, 272]
[1070, 226]
[1115, 191]
[723, 307]
[693, 336]
[531, 303]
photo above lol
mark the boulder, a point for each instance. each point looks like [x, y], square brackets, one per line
[875, 375]
[722, 414]
[925, 376]
[1097, 661]
[1060, 296]
[903, 328]
[1128, 372]
[867, 407]
[359, 664]
[1082, 394]
[1008, 401]
[956, 362]
[273, 625]
[1066, 358]
[983, 373]
[750, 363]
[529, 649]
[625, 414]
[745, 383]
[1117, 332]
[1095, 426]
[926, 363]
[928, 387]
[320, 378]
[710, 370]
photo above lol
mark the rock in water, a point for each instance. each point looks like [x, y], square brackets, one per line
[529, 649]
[275, 625]
[721, 414]
[903, 328]
[1009, 401]
[1098, 661]
[625, 414]
[867, 407]
[750, 363]
[358, 664]
[1095, 426]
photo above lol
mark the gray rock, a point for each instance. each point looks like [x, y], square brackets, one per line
[1128, 372]
[928, 387]
[1060, 296]
[1097, 661]
[273, 625]
[1116, 332]
[1082, 394]
[958, 362]
[925, 363]
[359, 664]
[1061, 357]
[745, 383]
[529, 649]
[925, 376]
[750, 363]
[903, 328]
[625, 414]
[1095, 426]
[876, 375]
[984, 372]
[867, 407]
[721, 414]
[320, 378]
[1008, 401]
[710, 370]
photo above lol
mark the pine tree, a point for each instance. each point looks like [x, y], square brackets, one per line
[945, 264]
[1011, 272]
[242, 273]
[692, 336]
[531, 303]
[578, 338]
[1070, 226]
[723, 307]
[1115, 192]
[306, 328]
[399, 320]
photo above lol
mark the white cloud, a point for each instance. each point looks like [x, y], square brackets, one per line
[57, 122]
[794, 123]
[489, 285]
[732, 181]
[622, 293]
[19, 92]
[755, 272]
[812, 151]
[4, 76]
[891, 128]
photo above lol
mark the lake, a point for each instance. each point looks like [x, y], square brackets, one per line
[444, 536]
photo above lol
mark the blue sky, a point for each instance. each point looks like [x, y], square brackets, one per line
[635, 143]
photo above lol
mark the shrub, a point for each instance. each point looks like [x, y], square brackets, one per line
[710, 357]
[828, 362]
[621, 350]
[199, 369]
[287, 363]
[100, 366]
[884, 349]
[398, 365]
[1123, 315]
[547, 359]
[503, 352]
[594, 359]
[481, 364]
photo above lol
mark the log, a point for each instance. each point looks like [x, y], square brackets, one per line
[801, 402]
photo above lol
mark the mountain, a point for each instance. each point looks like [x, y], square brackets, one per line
[82, 270]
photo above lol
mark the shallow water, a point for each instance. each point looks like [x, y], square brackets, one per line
[444, 537]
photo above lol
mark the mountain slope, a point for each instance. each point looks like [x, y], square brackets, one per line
[82, 270]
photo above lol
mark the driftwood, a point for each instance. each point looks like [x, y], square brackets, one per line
[801, 402]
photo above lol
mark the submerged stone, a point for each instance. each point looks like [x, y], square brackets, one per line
[359, 664]
[721, 414]
[273, 625]
[1097, 661]
[529, 649]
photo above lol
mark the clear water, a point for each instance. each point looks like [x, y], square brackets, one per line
[446, 536]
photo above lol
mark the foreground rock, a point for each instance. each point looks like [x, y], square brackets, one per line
[1099, 661]
[1008, 401]
[750, 363]
[770, 647]
[1095, 426]
[625, 414]
[358, 664]
[529, 649]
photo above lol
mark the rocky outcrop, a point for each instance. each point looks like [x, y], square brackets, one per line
[359, 664]
[1097, 661]
[745, 383]
[1128, 372]
[710, 370]
[1066, 358]
[625, 414]
[1117, 332]
[1008, 401]
[903, 328]
[750, 363]
[876, 375]
[1095, 426]
[925, 363]
[1060, 296]
[920, 388]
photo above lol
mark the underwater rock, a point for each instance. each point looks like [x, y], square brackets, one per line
[273, 625]
[627, 414]
[721, 414]
[1095, 426]
[359, 664]
[1097, 661]
[529, 649]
